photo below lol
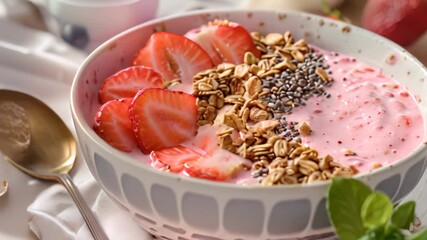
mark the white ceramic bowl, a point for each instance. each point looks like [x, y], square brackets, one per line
[178, 207]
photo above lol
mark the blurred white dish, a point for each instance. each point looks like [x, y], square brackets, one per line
[88, 23]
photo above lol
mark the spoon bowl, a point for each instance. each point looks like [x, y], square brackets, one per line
[33, 137]
[36, 140]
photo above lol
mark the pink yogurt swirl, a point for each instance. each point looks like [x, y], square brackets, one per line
[368, 114]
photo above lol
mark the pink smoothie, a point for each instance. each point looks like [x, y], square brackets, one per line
[368, 114]
[368, 121]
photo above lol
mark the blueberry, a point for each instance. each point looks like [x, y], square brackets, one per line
[75, 35]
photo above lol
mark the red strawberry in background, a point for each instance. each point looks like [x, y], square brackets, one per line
[112, 124]
[225, 41]
[173, 56]
[401, 21]
[127, 82]
[163, 118]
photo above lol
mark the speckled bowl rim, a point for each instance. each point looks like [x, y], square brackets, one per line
[87, 129]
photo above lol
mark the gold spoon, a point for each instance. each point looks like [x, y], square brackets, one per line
[35, 140]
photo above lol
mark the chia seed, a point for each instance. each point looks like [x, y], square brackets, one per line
[287, 129]
[292, 88]
[297, 85]
[261, 172]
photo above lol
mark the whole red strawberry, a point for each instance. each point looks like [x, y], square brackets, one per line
[401, 21]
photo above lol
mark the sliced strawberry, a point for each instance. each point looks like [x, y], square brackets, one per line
[112, 124]
[202, 158]
[224, 41]
[174, 56]
[163, 118]
[221, 166]
[127, 82]
[203, 36]
[173, 159]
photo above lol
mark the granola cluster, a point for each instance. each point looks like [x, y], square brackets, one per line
[235, 96]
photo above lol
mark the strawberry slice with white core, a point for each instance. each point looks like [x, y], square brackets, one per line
[225, 41]
[174, 56]
[112, 124]
[127, 82]
[173, 159]
[163, 118]
[190, 161]
[203, 36]
[201, 158]
[220, 166]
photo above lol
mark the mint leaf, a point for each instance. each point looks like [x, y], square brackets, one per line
[392, 232]
[376, 210]
[345, 198]
[421, 235]
[374, 234]
[403, 215]
[384, 232]
[336, 13]
[325, 7]
[394, 236]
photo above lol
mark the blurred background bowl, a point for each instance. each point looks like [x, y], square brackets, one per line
[86, 24]
[177, 207]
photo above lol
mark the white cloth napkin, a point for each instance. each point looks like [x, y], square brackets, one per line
[55, 216]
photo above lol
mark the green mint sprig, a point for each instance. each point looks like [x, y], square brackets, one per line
[358, 213]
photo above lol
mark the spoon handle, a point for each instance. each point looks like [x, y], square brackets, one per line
[91, 221]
